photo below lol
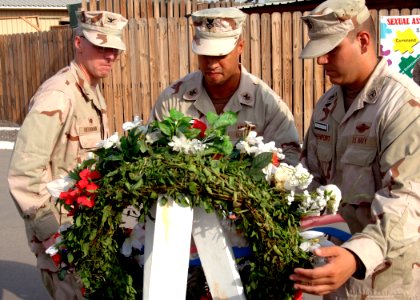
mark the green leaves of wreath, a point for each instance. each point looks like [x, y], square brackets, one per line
[134, 174]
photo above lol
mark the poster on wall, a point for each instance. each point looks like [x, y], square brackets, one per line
[400, 42]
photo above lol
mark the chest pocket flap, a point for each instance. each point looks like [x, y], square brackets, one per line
[359, 156]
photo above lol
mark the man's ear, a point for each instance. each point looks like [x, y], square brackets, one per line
[77, 43]
[364, 40]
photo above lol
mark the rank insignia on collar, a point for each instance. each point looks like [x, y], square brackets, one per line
[372, 94]
[246, 96]
[193, 92]
[321, 126]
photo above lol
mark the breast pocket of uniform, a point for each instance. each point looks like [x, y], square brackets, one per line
[359, 172]
[324, 154]
[89, 135]
[362, 157]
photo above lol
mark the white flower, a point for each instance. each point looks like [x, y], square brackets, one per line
[130, 125]
[153, 137]
[91, 155]
[252, 138]
[112, 141]
[313, 240]
[269, 171]
[333, 197]
[289, 178]
[135, 240]
[186, 146]
[59, 185]
[291, 197]
[283, 175]
[52, 250]
[179, 143]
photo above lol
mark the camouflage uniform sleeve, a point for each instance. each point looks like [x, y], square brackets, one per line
[396, 206]
[30, 168]
[161, 108]
[310, 160]
[280, 127]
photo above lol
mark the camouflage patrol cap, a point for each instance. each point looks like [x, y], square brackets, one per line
[102, 28]
[217, 30]
[330, 22]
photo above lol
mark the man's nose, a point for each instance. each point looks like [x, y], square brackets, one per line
[322, 60]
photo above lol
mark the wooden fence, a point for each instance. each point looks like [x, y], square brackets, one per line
[158, 53]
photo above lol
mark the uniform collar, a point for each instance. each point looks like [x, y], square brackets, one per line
[244, 95]
[91, 93]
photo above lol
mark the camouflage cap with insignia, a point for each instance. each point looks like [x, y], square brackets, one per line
[330, 22]
[217, 30]
[102, 28]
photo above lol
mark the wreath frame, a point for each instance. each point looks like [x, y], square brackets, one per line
[220, 179]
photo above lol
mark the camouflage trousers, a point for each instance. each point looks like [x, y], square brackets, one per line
[67, 289]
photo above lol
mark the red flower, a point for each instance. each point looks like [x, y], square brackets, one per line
[91, 187]
[200, 125]
[86, 201]
[87, 174]
[81, 184]
[298, 295]
[56, 259]
[275, 159]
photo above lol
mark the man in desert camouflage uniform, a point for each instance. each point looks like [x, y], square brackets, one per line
[222, 84]
[365, 138]
[66, 119]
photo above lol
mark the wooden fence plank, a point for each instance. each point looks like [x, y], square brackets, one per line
[21, 76]
[173, 49]
[130, 10]
[3, 113]
[163, 57]
[255, 38]
[154, 63]
[156, 9]
[246, 54]
[163, 12]
[182, 9]
[193, 56]
[276, 34]
[132, 53]
[297, 99]
[143, 9]
[136, 9]
[14, 78]
[287, 92]
[33, 54]
[102, 5]
[126, 87]
[149, 8]
[266, 73]
[145, 63]
[308, 85]
[183, 46]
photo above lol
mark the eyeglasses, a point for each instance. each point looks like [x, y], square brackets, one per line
[103, 50]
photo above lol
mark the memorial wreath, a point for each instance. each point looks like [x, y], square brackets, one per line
[198, 166]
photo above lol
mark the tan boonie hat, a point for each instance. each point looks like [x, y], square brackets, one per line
[330, 22]
[217, 30]
[102, 28]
